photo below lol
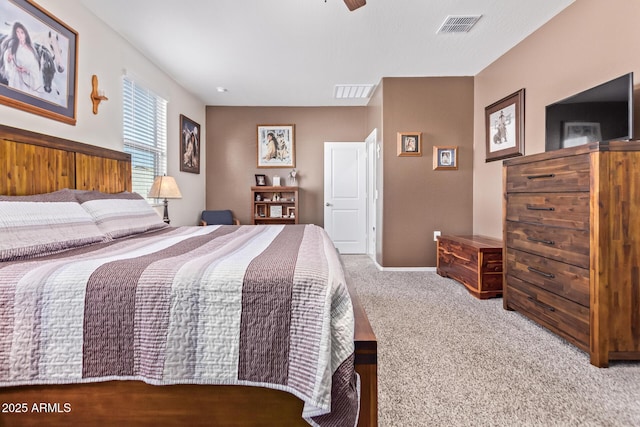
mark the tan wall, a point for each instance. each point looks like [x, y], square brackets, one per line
[232, 153]
[590, 42]
[417, 199]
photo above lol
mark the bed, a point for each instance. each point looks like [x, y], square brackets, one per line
[166, 381]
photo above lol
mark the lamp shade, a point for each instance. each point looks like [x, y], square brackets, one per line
[164, 187]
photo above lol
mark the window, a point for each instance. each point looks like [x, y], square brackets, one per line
[144, 117]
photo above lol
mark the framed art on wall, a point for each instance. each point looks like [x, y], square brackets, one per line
[504, 124]
[445, 158]
[409, 144]
[276, 146]
[189, 145]
[38, 62]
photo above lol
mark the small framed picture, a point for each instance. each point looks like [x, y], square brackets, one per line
[261, 210]
[445, 158]
[275, 211]
[409, 143]
[261, 180]
[276, 181]
[291, 211]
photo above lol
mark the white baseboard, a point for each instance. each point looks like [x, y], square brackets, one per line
[381, 268]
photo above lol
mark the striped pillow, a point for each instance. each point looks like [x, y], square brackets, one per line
[121, 214]
[44, 223]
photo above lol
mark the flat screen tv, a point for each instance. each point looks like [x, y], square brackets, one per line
[601, 113]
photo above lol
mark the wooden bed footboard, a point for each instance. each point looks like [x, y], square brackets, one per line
[33, 163]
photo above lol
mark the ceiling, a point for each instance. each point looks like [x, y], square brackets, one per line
[294, 52]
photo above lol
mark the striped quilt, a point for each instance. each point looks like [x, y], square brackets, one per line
[252, 305]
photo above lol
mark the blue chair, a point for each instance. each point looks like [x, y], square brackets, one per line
[223, 217]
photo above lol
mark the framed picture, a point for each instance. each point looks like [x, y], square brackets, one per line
[579, 133]
[291, 211]
[276, 146]
[445, 158]
[275, 211]
[409, 144]
[261, 180]
[38, 62]
[189, 145]
[261, 210]
[504, 124]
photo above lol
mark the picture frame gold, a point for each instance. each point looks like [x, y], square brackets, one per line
[445, 158]
[409, 144]
[504, 126]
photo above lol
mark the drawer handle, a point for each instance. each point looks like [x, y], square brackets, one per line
[542, 273]
[541, 304]
[546, 242]
[546, 175]
[540, 208]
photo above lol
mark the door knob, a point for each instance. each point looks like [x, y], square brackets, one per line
[327, 204]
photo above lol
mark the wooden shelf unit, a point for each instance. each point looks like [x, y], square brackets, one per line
[265, 210]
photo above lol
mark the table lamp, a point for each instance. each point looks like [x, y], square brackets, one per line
[165, 187]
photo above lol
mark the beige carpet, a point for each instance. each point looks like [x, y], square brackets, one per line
[448, 359]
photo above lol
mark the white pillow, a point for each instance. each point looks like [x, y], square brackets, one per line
[121, 214]
[44, 223]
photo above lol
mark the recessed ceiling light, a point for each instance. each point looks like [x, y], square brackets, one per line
[353, 91]
[222, 89]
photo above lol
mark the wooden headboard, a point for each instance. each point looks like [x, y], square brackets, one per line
[35, 163]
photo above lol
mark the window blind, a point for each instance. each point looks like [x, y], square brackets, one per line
[144, 134]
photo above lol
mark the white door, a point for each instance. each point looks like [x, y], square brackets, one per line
[345, 195]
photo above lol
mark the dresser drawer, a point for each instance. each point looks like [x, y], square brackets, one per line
[566, 318]
[569, 210]
[561, 244]
[562, 174]
[567, 281]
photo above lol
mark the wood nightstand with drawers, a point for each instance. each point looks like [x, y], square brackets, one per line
[572, 245]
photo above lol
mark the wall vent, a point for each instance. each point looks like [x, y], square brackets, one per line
[458, 24]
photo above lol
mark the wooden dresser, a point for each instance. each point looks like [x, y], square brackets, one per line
[474, 261]
[572, 245]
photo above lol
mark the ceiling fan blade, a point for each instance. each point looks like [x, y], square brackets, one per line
[354, 4]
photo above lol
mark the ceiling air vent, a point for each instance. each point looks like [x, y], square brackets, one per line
[353, 91]
[458, 24]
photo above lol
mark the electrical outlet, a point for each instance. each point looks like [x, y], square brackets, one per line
[435, 235]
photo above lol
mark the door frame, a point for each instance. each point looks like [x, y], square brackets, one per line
[371, 144]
